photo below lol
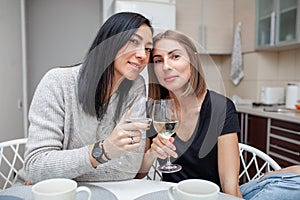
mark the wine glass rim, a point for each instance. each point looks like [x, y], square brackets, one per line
[157, 100]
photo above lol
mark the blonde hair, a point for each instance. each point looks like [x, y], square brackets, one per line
[197, 82]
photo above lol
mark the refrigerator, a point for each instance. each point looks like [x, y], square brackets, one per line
[162, 13]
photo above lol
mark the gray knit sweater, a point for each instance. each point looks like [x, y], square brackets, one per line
[60, 132]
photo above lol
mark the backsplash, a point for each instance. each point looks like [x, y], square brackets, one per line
[274, 69]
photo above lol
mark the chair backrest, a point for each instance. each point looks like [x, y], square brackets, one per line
[11, 160]
[254, 163]
[153, 173]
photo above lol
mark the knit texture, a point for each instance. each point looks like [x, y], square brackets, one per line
[60, 132]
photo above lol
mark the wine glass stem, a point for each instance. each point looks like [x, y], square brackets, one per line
[168, 161]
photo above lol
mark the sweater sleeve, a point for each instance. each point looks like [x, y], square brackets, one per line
[45, 156]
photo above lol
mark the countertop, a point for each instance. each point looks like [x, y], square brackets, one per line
[289, 115]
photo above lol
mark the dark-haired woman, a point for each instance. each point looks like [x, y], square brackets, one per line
[77, 127]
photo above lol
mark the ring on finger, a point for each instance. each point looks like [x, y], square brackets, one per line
[132, 141]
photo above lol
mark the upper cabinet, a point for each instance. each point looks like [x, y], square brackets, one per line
[277, 23]
[216, 26]
[208, 22]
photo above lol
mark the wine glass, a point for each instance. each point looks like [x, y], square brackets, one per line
[165, 123]
[140, 111]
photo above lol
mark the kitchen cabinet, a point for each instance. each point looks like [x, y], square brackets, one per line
[284, 142]
[277, 23]
[208, 22]
[279, 139]
[253, 131]
[216, 26]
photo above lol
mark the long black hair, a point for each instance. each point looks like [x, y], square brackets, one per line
[96, 76]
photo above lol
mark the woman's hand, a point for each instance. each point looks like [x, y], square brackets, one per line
[162, 147]
[125, 137]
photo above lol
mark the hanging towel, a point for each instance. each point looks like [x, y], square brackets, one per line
[237, 71]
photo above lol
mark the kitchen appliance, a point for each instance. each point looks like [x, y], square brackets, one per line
[298, 97]
[161, 14]
[292, 95]
[272, 95]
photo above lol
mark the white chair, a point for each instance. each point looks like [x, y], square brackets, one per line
[254, 163]
[11, 160]
[153, 173]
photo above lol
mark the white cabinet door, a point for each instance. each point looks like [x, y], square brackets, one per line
[216, 26]
[208, 22]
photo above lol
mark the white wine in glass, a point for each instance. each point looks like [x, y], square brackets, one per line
[166, 129]
[165, 123]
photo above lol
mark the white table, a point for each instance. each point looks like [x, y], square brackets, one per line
[132, 189]
[140, 189]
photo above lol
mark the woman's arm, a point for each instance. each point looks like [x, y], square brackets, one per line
[46, 155]
[147, 161]
[229, 163]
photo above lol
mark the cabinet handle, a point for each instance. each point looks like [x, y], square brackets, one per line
[272, 135]
[272, 28]
[285, 130]
[285, 150]
[273, 154]
[202, 38]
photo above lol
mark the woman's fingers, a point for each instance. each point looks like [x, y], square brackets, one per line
[158, 151]
[130, 140]
[163, 147]
[167, 141]
[135, 126]
[133, 143]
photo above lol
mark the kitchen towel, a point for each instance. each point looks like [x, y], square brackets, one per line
[237, 70]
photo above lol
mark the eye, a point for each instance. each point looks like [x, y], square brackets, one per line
[133, 41]
[175, 56]
[157, 61]
[148, 50]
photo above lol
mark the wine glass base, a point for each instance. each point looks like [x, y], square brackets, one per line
[169, 168]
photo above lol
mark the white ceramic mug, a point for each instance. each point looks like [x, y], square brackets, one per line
[58, 189]
[194, 189]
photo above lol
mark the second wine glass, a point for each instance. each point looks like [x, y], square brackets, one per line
[165, 122]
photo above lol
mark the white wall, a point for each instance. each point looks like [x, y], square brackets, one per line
[59, 32]
[11, 117]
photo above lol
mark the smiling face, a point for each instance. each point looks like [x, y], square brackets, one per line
[133, 57]
[171, 65]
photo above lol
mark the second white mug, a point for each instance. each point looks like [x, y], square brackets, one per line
[194, 189]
